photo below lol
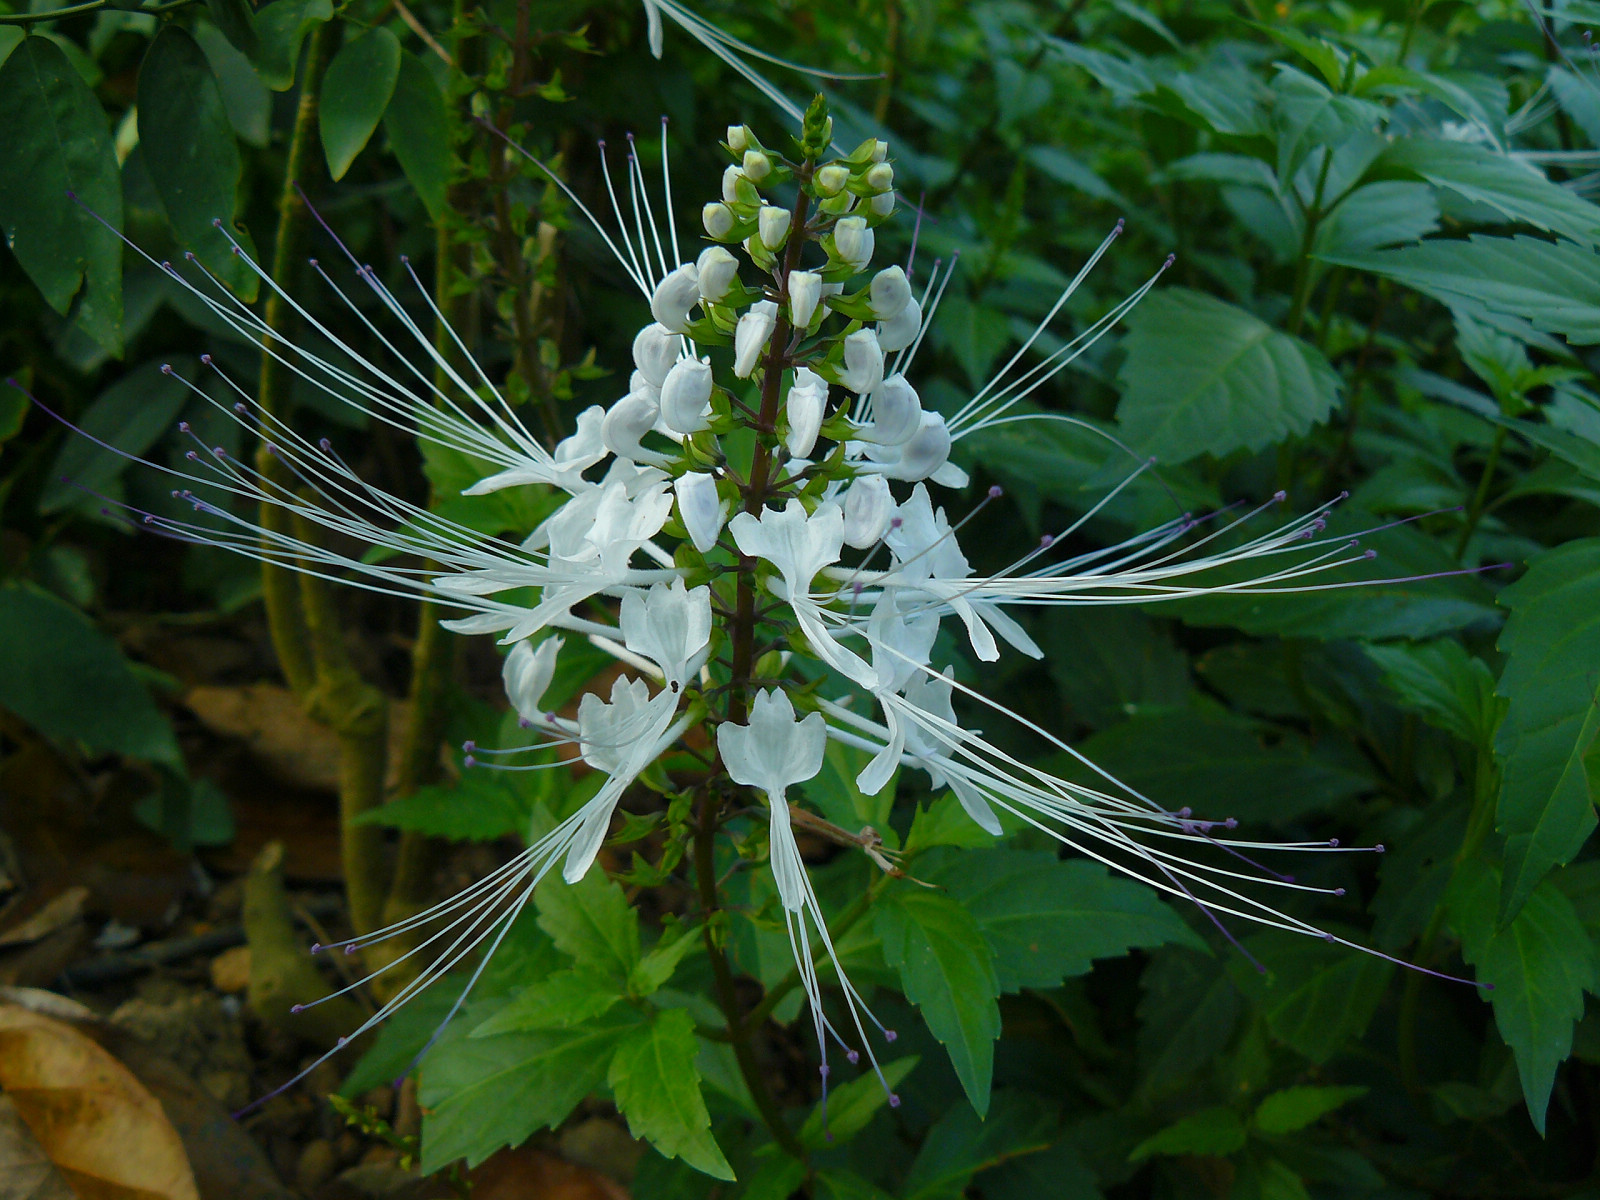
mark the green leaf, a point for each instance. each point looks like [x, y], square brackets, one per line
[652, 971]
[852, 1105]
[1552, 643]
[1555, 285]
[1058, 1172]
[1046, 919]
[53, 141]
[1449, 688]
[1510, 186]
[190, 153]
[418, 126]
[360, 80]
[1378, 214]
[480, 808]
[847, 1185]
[1316, 995]
[1216, 1132]
[479, 1094]
[560, 1000]
[68, 680]
[130, 415]
[1539, 967]
[657, 1086]
[246, 98]
[233, 18]
[947, 970]
[1109, 662]
[1187, 1015]
[833, 790]
[591, 921]
[1204, 377]
[280, 28]
[945, 823]
[1295, 1108]
[961, 1144]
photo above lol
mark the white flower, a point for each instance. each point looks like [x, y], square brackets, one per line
[527, 673]
[686, 396]
[671, 626]
[772, 226]
[880, 177]
[868, 509]
[674, 297]
[831, 180]
[628, 420]
[655, 349]
[854, 241]
[924, 455]
[738, 138]
[621, 738]
[574, 455]
[805, 403]
[718, 272]
[750, 337]
[896, 413]
[774, 751]
[700, 509]
[890, 292]
[863, 362]
[901, 330]
[805, 290]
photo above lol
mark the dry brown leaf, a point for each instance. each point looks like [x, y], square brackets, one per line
[61, 909]
[26, 1172]
[105, 1134]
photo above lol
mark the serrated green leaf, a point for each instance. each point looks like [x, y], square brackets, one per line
[1187, 1014]
[1378, 214]
[1552, 643]
[1441, 681]
[1047, 919]
[418, 126]
[655, 968]
[1204, 377]
[480, 808]
[1295, 1108]
[560, 1000]
[657, 1086]
[591, 921]
[360, 81]
[280, 28]
[839, 1184]
[1316, 995]
[53, 140]
[945, 823]
[192, 157]
[1509, 186]
[961, 1144]
[947, 970]
[1555, 285]
[853, 1104]
[1539, 967]
[52, 658]
[1108, 662]
[131, 414]
[1216, 1132]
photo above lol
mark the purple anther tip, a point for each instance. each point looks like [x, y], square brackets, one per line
[166, 264]
[350, 949]
[205, 360]
[1370, 554]
[823, 1070]
[852, 1056]
[316, 947]
[889, 1035]
[469, 746]
[1344, 495]
[1333, 843]
[1338, 891]
[524, 723]
[1186, 811]
[896, 522]
[183, 427]
[1231, 823]
[341, 1041]
[1488, 987]
[894, 1100]
[191, 456]
[1122, 223]
[1047, 540]
[1171, 258]
[166, 368]
[1378, 849]
[105, 512]
[405, 260]
[327, 446]
[241, 408]
[996, 491]
[71, 195]
[1288, 878]
[469, 762]
[272, 449]
[150, 519]
[828, 1136]
[1280, 496]
[1329, 938]
[1260, 969]
[550, 717]
[219, 452]
[313, 262]
[188, 256]
[216, 222]
[297, 1008]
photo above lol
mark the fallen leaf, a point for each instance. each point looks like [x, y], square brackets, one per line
[26, 1172]
[104, 1133]
[525, 1171]
[61, 909]
[230, 970]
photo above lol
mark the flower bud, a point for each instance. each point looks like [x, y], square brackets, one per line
[686, 396]
[625, 422]
[863, 362]
[868, 509]
[638, 383]
[718, 220]
[654, 352]
[806, 402]
[772, 224]
[880, 150]
[901, 330]
[674, 297]
[896, 412]
[926, 452]
[890, 293]
[527, 672]
[805, 290]
[757, 166]
[719, 271]
[750, 337]
[830, 180]
[700, 509]
[881, 205]
[853, 241]
[738, 138]
[732, 176]
[880, 177]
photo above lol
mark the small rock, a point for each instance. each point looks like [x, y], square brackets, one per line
[230, 970]
[317, 1165]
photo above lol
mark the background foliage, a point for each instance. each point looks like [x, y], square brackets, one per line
[1387, 283]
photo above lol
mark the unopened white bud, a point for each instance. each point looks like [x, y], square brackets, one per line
[738, 138]
[625, 422]
[718, 270]
[868, 509]
[927, 451]
[901, 330]
[686, 396]
[880, 177]
[804, 406]
[805, 291]
[674, 297]
[655, 349]
[891, 292]
[732, 177]
[863, 362]
[880, 150]
[881, 205]
[896, 412]
[854, 241]
[718, 220]
[757, 166]
[700, 509]
[772, 224]
[750, 337]
[527, 673]
[830, 180]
